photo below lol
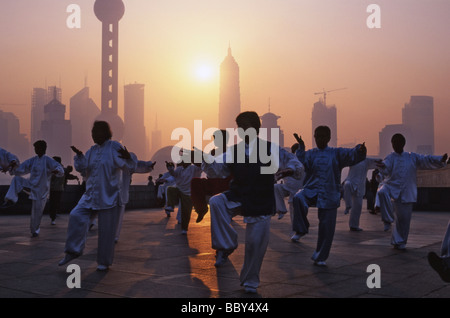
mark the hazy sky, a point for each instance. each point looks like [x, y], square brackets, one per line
[286, 50]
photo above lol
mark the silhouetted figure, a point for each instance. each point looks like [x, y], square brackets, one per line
[251, 194]
[288, 188]
[203, 188]
[354, 188]
[371, 191]
[57, 184]
[181, 191]
[399, 171]
[140, 166]
[102, 167]
[322, 188]
[40, 167]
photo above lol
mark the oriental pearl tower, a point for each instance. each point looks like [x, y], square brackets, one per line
[109, 12]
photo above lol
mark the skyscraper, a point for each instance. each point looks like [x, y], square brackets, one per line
[156, 137]
[135, 138]
[83, 112]
[323, 115]
[418, 116]
[57, 131]
[229, 92]
[109, 12]
[38, 101]
[417, 126]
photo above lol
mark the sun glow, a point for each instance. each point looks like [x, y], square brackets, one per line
[203, 72]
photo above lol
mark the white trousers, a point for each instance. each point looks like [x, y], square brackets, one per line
[79, 221]
[120, 221]
[224, 236]
[353, 202]
[37, 205]
[395, 210]
[280, 195]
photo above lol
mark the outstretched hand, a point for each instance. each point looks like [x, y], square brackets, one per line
[299, 140]
[76, 150]
[170, 165]
[363, 149]
[123, 153]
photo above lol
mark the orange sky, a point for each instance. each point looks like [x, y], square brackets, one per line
[286, 49]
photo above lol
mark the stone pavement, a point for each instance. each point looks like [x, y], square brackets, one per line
[154, 260]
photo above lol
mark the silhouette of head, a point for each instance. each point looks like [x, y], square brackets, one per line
[322, 136]
[101, 132]
[40, 147]
[398, 142]
[247, 120]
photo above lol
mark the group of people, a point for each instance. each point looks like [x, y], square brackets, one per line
[239, 182]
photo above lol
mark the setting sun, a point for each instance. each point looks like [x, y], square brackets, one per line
[203, 72]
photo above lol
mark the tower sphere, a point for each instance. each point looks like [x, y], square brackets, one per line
[109, 11]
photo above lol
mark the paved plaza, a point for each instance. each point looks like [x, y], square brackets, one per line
[154, 260]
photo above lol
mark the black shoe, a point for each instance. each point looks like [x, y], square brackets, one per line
[67, 258]
[356, 229]
[438, 264]
[7, 204]
[201, 216]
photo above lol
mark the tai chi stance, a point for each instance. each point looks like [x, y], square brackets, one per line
[41, 168]
[102, 167]
[399, 171]
[323, 166]
[252, 164]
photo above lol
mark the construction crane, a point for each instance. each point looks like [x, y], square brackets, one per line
[324, 93]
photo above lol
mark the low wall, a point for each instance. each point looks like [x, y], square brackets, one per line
[141, 197]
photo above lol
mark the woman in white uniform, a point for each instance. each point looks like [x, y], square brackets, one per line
[102, 166]
[399, 170]
[41, 168]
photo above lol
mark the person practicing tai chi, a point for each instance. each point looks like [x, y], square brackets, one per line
[181, 191]
[288, 188]
[253, 165]
[354, 190]
[398, 191]
[41, 168]
[102, 167]
[141, 167]
[204, 188]
[322, 188]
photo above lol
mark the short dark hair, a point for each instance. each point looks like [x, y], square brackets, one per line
[250, 117]
[40, 143]
[324, 129]
[103, 125]
[399, 137]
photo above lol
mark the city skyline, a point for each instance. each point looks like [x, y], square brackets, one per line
[285, 51]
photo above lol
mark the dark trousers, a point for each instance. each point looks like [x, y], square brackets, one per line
[54, 203]
[202, 187]
[175, 196]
